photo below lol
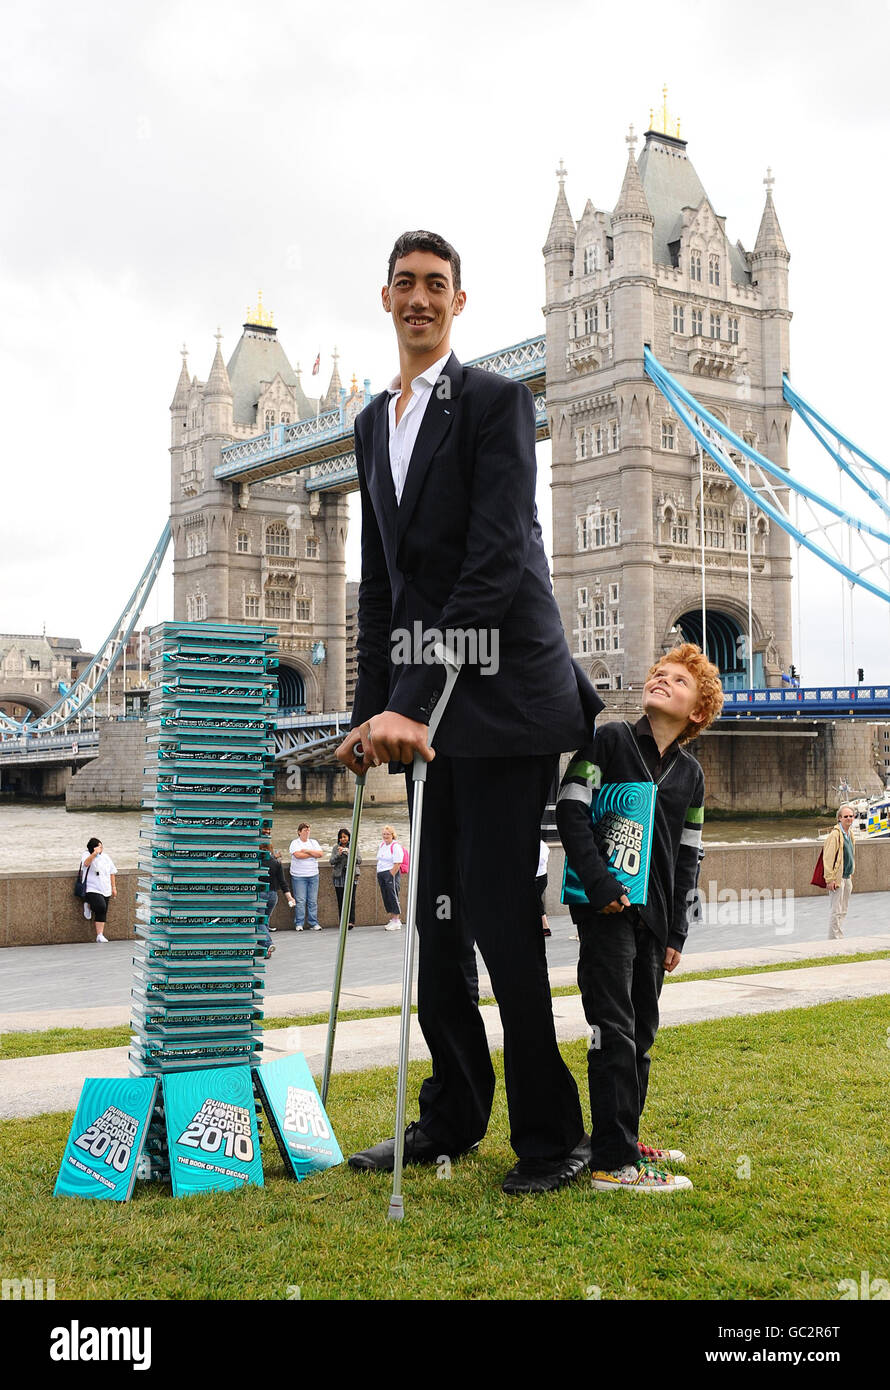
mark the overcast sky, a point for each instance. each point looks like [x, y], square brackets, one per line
[161, 164]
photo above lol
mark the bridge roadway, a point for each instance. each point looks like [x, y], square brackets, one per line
[310, 739]
[307, 739]
[325, 444]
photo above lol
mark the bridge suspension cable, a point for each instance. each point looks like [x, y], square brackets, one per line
[716, 438]
[80, 696]
[824, 432]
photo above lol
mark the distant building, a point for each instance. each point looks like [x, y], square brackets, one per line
[32, 667]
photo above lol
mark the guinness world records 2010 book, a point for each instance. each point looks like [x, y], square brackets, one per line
[298, 1119]
[623, 816]
[106, 1138]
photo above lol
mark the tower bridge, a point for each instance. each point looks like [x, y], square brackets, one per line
[661, 380]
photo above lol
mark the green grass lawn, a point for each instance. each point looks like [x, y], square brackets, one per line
[783, 1116]
[53, 1040]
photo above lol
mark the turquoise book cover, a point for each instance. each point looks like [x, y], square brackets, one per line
[623, 815]
[301, 1127]
[106, 1138]
[212, 1134]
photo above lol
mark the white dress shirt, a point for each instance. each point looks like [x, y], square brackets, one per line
[403, 436]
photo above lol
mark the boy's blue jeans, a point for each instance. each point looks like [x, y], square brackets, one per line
[305, 891]
[620, 974]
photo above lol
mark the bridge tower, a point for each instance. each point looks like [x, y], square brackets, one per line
[266, 551]
[659, 269]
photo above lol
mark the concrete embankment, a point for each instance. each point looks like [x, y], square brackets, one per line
[40, 909]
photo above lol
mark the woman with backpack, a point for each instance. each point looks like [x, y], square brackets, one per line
[389, 867]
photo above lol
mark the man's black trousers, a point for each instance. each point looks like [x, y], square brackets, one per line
[620, 974]
[478, 859]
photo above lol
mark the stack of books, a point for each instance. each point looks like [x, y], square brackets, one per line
[199, 965]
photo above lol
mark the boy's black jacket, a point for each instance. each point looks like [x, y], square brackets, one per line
[620, 752]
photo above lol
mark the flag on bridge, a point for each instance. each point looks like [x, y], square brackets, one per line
[316, 365]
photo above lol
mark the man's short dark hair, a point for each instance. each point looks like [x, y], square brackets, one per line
[425, 241]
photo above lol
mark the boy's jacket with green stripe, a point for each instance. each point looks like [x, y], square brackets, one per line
[621, 752]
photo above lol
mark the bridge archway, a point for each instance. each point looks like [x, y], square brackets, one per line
[17, 702]
[297, 687]
[726, 644]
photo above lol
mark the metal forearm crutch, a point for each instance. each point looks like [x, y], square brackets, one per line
[418, 776]
[344, 927]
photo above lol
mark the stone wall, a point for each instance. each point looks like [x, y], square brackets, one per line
[114, 779]
[40, 909]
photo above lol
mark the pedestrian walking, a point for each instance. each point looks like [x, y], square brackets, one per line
[838, 866]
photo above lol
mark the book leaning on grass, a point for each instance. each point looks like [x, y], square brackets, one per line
[623, 815]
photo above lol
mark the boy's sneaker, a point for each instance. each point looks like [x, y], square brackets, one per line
[393, 926]
[298, 928]
[100, 937]
[639, 1177]
[317, 927]
[651, 1155]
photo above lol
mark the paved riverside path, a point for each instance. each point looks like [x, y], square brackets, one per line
[37, 1085]
[88, 985]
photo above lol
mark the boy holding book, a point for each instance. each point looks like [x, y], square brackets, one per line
[626, 947]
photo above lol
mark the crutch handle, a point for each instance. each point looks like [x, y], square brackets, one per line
[452, 671]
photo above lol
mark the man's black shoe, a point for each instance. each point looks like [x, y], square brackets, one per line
[546, 1175]
[418, 1149]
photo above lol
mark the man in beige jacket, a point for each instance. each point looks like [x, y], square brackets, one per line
[839, 864]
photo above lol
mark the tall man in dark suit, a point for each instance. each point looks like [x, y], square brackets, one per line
[451, 548]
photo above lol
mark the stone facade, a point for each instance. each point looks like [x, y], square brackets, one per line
[31, 668]
[659, 270]
[269, 551]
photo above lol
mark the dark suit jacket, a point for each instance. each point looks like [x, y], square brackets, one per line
[463, 551]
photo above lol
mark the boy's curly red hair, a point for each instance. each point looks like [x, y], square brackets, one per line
[706, 677]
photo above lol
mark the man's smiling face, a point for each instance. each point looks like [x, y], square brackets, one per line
[671, 690]
[423, 301]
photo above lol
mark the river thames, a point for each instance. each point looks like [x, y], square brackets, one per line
[37, 835]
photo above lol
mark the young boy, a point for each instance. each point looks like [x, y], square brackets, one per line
[626, 949]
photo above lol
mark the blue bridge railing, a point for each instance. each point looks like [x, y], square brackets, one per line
[817, 701]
